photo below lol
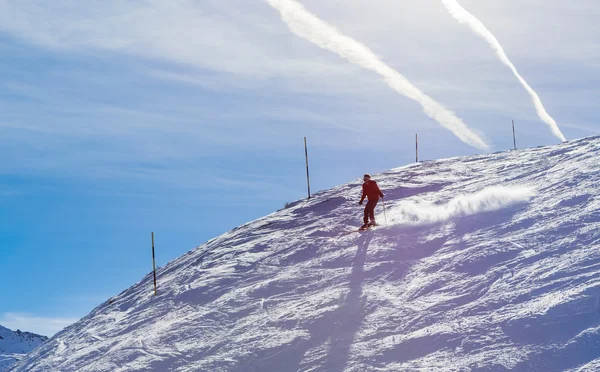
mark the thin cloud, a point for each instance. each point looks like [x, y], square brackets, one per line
[44, 326]
[310, 27]
[183, 33]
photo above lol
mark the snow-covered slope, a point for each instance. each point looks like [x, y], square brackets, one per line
[14, 345]
[488, 263]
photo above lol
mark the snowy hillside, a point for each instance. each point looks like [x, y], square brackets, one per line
[14, 345]
[488, 263]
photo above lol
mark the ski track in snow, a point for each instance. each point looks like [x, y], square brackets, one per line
[489, 262]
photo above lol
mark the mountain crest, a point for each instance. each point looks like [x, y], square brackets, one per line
[14, 345]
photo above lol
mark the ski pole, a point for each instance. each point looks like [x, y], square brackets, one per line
[384, 215]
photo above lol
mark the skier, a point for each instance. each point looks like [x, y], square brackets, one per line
[371, 191]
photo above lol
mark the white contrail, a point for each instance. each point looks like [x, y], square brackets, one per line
[464, 17]
[308, 26]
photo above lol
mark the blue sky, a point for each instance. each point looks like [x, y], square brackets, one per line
[187, 118]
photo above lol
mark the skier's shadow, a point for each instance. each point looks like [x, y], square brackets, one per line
[332, 335]
[350, 316]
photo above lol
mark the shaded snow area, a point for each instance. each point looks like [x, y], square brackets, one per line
[14, 345]
[488, 263]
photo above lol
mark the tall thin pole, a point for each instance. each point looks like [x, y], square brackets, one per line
[153, 263]
[416, 147]
[307, 174]
[514, 137]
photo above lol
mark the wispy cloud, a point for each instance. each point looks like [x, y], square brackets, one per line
[44, 326]
[310, 27]
[178, 33]
[464, 17]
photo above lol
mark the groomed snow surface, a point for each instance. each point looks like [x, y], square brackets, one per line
[488, 263]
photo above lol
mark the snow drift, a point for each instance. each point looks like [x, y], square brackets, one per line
[497, 277]
[487, 200]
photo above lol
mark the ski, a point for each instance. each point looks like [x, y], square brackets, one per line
[360, 229]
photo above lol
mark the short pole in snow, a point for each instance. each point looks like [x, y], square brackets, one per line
[307, 174]
[416, 147]
[514, 137]
[153, 263]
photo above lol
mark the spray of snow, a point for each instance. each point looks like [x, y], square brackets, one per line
[308, 26]
[487, 200]
[466, 18]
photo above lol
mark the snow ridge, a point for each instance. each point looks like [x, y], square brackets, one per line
[488, 263]
[14, 345]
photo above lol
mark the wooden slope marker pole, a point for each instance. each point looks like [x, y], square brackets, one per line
[307, 174]
[153, 263]
[416, 147]
[514, 137]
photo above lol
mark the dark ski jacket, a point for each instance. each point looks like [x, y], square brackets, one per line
[371, 191]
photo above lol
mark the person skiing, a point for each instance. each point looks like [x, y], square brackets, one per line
[371, 191]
